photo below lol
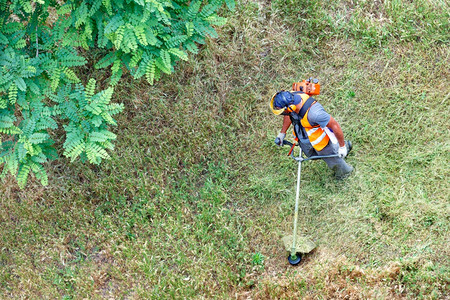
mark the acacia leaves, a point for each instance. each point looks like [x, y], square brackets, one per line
[41, 47]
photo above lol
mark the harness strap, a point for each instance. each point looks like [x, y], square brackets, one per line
[296, 118]
[306, 106]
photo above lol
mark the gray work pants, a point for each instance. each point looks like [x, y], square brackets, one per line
[337, 164]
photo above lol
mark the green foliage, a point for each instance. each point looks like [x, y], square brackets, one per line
[258, 259]
[192, 211]
[88, 118]
[160, 31]
[41, 45]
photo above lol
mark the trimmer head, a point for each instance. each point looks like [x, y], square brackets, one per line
[303, 244]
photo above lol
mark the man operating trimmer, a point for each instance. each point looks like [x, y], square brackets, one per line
[317, 132]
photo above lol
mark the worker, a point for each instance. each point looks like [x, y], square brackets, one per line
[318, 133]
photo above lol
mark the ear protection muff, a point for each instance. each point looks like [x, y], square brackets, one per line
[292, 107]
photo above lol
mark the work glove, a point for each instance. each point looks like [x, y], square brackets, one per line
[280, 138]
[342, 151]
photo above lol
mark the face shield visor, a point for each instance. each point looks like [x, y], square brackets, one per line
[275, 109]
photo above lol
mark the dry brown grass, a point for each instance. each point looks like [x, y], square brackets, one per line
[192, 194]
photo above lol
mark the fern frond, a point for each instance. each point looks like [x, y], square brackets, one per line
[106, 61]
[94, 108]
[208, 10]
[106, 95]
[102, 39]
[178, 53]
[6, 121]
[20, 44]
[193, 9]
[116, 66]
[95, 7]
[150, 72]
[12, 164]
[34, 88]
[118, 37]
[114, 79]
[70, 59]
[107, 145]
[101, 136]
[12, 95]
[74, 144]
[165, 57]
[75, 151]
[21, 152]
[141, 35]
[28, 126]
[37, 138]
[3, 102]
[5, 78]
[191, 47]
[80, 14]
[189, 28]
[151, 37]
[136, 58]
[163, 16]
[22, 175]
[40, 158]
[159, 63]
[22, 100]
[114, 23]
[176, 41]
[39, 172]
[129, 40]
[64, 9]
[95, 153]
[29, 147]
[115, 108]
[55, 77]
[46, 122]
[90, 89]
[107, 117]
[70, 110]
[107, 5]
[10, 130]
[70, 75]
[97, 121]
[140, 2]
[28, 72]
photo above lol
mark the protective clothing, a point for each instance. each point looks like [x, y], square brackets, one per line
[280, 138]
[342, 151]
[331, 135]
[316, 135]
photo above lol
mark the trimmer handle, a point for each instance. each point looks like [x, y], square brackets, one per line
[300, 159]
[288, 143]
[292, 147]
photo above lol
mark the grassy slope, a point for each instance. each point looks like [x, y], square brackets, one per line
[197, 197]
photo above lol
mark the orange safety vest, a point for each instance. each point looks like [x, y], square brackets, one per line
[316, 135]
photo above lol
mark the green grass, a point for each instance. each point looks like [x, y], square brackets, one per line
[196, 197]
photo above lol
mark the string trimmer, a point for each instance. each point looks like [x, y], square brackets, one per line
[295, 244]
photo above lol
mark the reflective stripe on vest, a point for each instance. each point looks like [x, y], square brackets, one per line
[317, 136]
